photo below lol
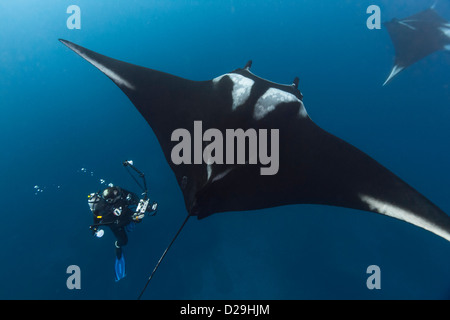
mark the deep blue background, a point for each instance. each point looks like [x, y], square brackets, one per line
[59, 114]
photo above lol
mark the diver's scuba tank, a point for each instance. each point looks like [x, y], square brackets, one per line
[93, 199]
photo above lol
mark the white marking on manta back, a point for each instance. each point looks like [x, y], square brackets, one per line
[405, 215]
[271, 99]
[108, 72]
[242, 87]
[302, 112]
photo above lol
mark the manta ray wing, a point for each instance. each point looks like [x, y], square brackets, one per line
[315, 167]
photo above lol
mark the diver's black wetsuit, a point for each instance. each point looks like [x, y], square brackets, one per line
[104, 215]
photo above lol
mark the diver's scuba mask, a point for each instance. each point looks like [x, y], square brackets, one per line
[111, 194]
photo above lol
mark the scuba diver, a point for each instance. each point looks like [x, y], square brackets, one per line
[120, 210]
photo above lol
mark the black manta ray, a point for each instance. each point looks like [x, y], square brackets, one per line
[416, 37]
[315, 167]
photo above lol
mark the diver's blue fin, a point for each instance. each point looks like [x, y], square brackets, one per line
[120, 268]
[131, 226]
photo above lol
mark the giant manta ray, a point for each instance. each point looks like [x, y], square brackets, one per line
[315, 167]
[416, 37]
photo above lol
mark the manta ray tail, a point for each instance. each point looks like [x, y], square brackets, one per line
[162, 257]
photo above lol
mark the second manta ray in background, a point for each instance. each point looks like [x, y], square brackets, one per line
[315, 167]
[416, 37]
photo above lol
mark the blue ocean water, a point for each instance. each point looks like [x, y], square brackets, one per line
[65, 126]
